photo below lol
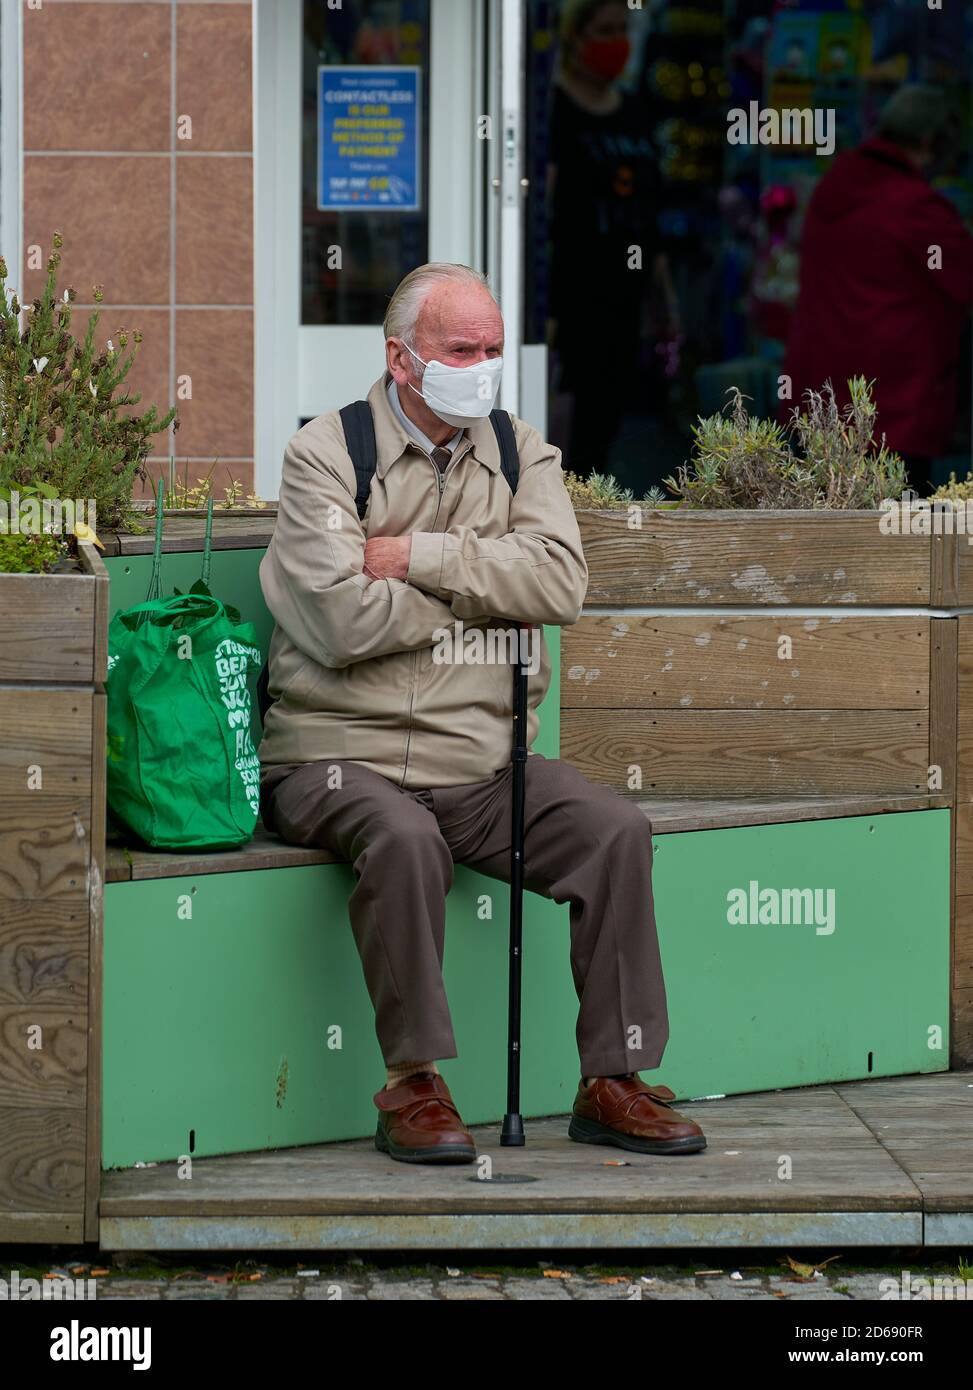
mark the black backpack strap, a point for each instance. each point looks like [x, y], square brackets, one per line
[509, 457]
[359, 430]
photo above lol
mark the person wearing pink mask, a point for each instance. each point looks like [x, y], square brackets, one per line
[603, 194]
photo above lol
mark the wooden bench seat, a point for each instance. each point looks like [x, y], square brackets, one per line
[668, 817]
[223, 986]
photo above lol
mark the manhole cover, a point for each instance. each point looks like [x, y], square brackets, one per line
[505, 1177]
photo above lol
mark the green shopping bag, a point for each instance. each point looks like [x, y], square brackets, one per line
[182, 769]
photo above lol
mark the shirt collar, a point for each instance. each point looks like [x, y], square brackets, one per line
[412, 428]
[393, 441]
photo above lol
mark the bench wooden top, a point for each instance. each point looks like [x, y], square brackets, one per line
[667, 817]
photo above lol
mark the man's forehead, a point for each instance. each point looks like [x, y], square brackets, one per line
[466, 315]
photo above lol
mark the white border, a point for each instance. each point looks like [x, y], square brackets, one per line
[276, 208]
[11, 140]
[452, 142]
[511, 215]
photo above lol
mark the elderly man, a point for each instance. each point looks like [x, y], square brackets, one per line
[399, 761]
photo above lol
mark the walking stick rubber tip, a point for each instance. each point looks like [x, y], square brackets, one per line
[512, 1133]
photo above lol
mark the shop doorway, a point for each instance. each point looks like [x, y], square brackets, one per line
[380, 145]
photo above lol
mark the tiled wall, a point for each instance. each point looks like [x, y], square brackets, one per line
[138, 150]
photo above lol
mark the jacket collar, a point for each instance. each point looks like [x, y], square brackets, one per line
[393, 443]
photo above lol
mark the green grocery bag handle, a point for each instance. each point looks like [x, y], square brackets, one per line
[160, 608]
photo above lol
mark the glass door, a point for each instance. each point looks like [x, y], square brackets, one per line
[369, 163]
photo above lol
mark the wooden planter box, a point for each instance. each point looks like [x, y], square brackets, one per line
[52, 710]
[781, 655]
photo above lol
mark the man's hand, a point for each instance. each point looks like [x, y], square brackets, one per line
[387, 557]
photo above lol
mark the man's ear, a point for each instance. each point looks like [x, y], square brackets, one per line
[397, 359]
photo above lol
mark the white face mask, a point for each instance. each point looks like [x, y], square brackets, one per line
[460, 395]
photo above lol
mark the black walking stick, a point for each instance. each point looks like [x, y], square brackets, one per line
[512, 1134]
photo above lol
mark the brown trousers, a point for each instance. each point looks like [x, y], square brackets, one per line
[583, 844]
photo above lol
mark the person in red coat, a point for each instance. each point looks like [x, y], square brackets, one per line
[886, 282]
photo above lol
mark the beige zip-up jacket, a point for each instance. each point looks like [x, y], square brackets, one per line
[351, 661]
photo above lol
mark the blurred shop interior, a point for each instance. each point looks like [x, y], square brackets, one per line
[625, 112]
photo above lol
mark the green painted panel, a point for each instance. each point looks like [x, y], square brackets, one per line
[234, 578]
[220, 1024]
[755, 1007]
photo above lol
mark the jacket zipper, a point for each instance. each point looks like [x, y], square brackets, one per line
[441, 479]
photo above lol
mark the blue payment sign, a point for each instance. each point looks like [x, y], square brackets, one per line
[368, 138]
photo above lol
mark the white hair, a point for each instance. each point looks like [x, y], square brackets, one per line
[915, 111]
[406, 303]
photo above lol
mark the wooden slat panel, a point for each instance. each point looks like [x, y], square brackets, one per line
[676, 815]
[96, 896]
[724, 662]
[117, 867]
[53, 637]
[943, 716]
[242, 531]
[35, 811]
[47, 858]
[961, 1038]
[786, 752]
[763, 557]
[94, 565]
[963, 569]
[944, 571]
[961, 1029]
[50, 729]
[963, 816]
[264, 851]
[45, 831]
[964, 704]
[51, 1075]
[40, 1228]
[963, 943]
[44, 952]
[41, 1162]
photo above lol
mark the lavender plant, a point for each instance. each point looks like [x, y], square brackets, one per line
[65, 417]
[743, 462]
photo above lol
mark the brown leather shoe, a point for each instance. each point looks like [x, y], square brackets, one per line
[418, 1122]
[628, 1114]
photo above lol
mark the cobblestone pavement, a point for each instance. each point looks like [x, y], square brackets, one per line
[845, 1279]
